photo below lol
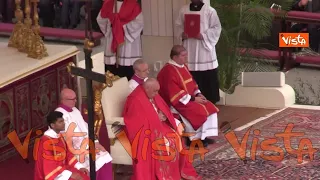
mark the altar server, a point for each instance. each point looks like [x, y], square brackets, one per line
[121, 21]
[202, 58]
[54, 160]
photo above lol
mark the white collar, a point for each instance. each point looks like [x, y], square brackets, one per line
[175, 64]
[51, 133]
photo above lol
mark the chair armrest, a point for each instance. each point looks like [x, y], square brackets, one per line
[112, 120]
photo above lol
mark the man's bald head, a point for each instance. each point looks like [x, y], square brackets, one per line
[151, 87]
[68, 97]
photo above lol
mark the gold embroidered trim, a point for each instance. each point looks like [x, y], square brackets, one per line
[176, 95]
[182, 80]
[53, 172]
[187, 81]
[72, 160]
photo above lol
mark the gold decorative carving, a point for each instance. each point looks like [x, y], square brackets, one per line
[98, 108]
[112, 141]
[88, 44]
[69, 68]
[110, 78]
[17, 30]
[38, 50]
[27, 34]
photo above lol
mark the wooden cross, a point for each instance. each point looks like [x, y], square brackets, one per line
[90, 76]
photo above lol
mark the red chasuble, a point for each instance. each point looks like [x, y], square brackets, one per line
[146, 133]
[129, 10]
[53, 157]
[176, 82]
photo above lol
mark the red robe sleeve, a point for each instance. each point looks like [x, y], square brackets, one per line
[171, 88]
[71, 159]
[47, 167]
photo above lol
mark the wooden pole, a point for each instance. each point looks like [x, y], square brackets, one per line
[88, 44]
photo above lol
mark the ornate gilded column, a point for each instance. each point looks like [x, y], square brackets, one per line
[28, 34]
[38, 50]
[25, 29]
[13, 41]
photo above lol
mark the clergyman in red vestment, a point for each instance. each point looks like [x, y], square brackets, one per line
[181, 93]
[155, 136]
[54, 160]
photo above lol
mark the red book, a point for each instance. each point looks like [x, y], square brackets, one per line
[192, 25]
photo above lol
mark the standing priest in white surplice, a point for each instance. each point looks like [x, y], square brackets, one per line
[71, 114]
[121, 22]
[200, 40]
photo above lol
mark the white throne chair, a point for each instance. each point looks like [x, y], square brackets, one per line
[112, 101]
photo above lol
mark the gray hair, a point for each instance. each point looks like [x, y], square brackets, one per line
[137, 63]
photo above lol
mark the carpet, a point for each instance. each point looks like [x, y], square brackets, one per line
[222, 161]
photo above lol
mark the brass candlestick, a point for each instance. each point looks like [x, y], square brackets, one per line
[23, 33]
[28, 34]
[13, 41]
[38, 50]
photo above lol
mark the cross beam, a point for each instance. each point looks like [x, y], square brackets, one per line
[90, 76]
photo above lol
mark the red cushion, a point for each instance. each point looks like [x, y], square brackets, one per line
[6, 27]
[308, 59]
[54, 32]
[67, 33]
[303, 15]
[261, 53]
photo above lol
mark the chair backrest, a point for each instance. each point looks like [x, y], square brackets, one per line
[113, 100]
[97, 61]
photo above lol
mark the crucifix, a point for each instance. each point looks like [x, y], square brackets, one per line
[90, 76]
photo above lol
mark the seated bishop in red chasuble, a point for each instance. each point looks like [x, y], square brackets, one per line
[181, 93]
[54, 159]
[155, 136]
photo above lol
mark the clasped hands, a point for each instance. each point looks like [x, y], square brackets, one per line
[77, 176]
[200, 99]
[163, 117]
[184, 36]
[100, 147]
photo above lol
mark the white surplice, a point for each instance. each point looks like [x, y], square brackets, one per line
[201, 53]
[209, 127]
[131, 50]
[133, 84]
[82, 126]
